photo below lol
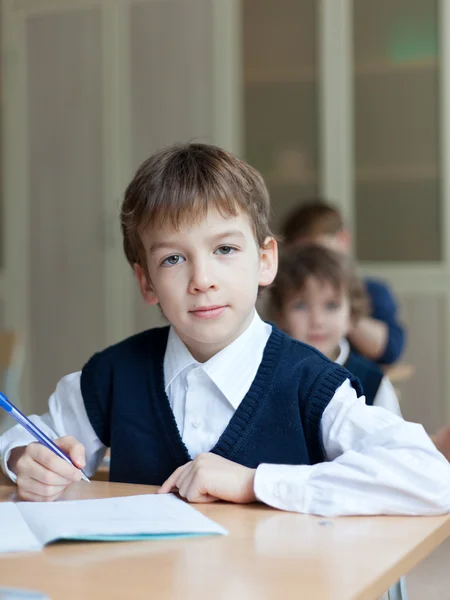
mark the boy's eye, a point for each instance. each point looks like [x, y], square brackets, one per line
[333, 305]
[225, 250]
[175, 259]
[300, 306]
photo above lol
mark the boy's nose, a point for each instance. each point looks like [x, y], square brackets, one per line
[316, 317]
[202, 278]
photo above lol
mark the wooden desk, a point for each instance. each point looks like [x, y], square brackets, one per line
[268, 555]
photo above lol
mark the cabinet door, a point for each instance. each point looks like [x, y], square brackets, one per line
[171, 86]
[281, 97]
[63, 167]
[397, 137]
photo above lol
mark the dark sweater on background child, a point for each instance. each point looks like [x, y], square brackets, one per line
[383, 307]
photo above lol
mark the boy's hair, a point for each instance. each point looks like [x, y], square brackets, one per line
[298, 264]
[179, 183]
[311, 219]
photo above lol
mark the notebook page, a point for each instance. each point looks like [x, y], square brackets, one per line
[114, 518]
[15, 535]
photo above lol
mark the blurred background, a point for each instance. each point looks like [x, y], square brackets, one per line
[349, 100]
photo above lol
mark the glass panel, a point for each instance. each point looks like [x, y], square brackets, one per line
[396, 221]
[2, 196]
[425, 394]
[171, 79]
[65, 160]
[280, 97]
[396, 130]
[171, 87]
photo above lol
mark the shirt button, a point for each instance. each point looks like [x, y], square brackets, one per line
[196, 423]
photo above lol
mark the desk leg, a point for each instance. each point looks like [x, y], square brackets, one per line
[398, 591]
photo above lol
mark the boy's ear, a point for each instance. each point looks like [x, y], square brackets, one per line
[268, 264]
[144, 285]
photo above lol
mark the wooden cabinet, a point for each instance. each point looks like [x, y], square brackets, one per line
[90, 89]
[350, 100]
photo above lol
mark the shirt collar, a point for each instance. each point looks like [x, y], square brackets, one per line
[344, 351]
[176, 359]
[232, 369]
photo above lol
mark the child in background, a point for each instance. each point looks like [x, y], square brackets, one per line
[378, 336]
[220, 405]
[317, 298]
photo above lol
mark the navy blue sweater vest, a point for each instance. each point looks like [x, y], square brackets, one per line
[277, 421]
[369, 374]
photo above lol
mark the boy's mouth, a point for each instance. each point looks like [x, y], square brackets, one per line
[318, 338]
[208, 312]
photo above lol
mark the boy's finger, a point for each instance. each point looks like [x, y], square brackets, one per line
[74, 449]
[52, 462]
[32, 497]
[185, 477]
[31, 486]
[192, 490]
[201, 498]
[171, 482]
[36, 471]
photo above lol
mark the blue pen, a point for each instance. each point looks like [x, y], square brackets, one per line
[35, 431]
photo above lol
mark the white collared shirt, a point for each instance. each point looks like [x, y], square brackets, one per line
[380, 463]
[385, 396]
[204, 396]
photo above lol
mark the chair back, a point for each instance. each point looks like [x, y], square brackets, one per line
[11, 367]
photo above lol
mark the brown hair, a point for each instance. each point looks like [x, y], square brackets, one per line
[298, 264]
[179, 183]
[311, 219]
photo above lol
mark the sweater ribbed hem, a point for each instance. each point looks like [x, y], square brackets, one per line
[323, 390]
[240, 426]
[92, 399]
[160, 401]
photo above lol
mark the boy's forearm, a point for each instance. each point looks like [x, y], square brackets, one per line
[376, 463]
[348, 486]
[369, 337]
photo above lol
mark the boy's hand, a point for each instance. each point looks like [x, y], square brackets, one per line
[210, 477]
[41, 474]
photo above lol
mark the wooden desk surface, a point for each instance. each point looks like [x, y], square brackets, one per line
[268, 555]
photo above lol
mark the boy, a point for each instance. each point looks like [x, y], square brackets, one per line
[221, 405]
[380, 336]
[317, 298]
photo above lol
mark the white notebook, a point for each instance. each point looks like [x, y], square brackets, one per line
[26, 526]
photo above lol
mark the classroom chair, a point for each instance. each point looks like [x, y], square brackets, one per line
[12, 354]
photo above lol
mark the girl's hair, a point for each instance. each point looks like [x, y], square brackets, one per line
[311, 219]
[297, 265]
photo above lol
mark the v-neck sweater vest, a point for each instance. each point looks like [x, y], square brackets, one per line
[278, 420]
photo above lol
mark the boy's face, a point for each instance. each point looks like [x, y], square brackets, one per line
[318, 316]
[206, 278]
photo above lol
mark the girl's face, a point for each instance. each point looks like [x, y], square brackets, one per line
[319, 315]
